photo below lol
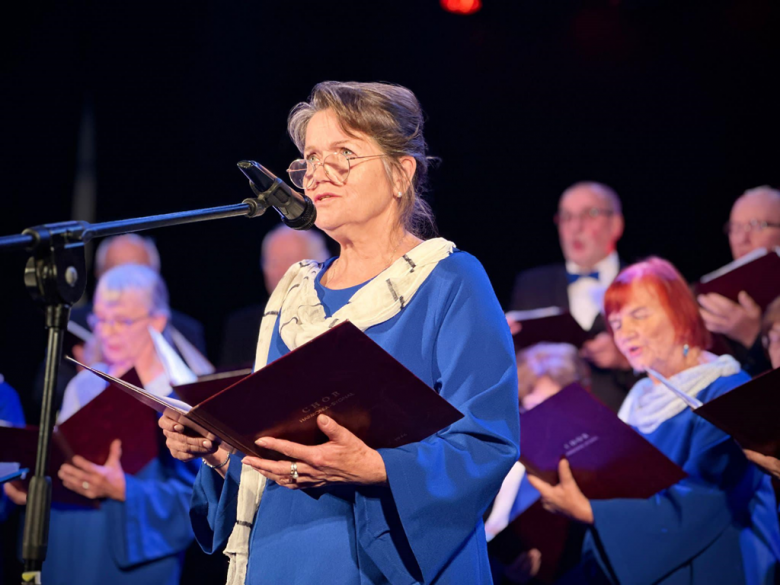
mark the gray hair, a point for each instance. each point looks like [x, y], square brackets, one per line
[136, 277]
[392, 117]
[607, 192]
[558, 361]
[315, 242]
[132, 239]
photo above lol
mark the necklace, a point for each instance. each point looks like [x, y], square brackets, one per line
[327, 277]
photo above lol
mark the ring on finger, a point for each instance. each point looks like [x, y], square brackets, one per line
[85, 485]
[293, 471]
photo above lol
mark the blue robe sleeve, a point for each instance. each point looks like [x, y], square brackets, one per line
[440, 487]
[152, 522]
[214, 505]
[12, 413]
[640, 541]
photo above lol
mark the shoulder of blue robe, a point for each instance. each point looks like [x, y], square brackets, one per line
[214, 505]
[153, 521]
[428, 525]
[714, 526]
[10, 406]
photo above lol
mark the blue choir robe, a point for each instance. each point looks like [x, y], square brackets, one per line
[140, 541]
[11, 414]
[719, 525]
[426, 526]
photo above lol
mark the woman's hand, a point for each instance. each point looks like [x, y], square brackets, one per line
[770, 465]
[16, 492]
[525, 567]
[96, 481]
[565, 498]
[739, 321]
[343, 459]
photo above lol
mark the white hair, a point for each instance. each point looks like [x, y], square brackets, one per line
[132, 239]
[136, 277]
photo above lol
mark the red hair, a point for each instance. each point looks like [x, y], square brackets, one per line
[672, 291]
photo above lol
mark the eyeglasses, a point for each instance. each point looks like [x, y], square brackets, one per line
[732, 228]
[591, 214]
[119, 324]
[336, 166]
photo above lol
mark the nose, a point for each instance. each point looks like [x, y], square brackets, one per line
[324, 176]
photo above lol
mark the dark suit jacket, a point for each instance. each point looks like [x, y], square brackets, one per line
[547, 286]
[239, 337]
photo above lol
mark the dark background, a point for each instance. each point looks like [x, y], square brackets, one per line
[671, 103]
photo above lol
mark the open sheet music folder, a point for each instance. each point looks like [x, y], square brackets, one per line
[608, 459]
[750, 413]
[756, 273]
[550, 324]
[341, 373]
[112, 414]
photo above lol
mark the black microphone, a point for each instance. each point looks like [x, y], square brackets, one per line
[297, 210]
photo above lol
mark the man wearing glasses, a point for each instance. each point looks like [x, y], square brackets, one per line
[590, 223]
[754, 223]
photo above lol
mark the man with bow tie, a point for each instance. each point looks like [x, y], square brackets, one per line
[590, 223]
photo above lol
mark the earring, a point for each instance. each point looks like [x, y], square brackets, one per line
[685, 350]
[400, 194]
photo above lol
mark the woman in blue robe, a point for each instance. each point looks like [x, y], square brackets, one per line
[342, 512]
[138, 534]
[718, 525]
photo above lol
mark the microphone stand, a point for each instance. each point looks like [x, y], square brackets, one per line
[55, 276]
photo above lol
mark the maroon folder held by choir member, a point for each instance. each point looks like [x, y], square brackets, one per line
[341, 373]
[207, 386]
[112, 414]
[757, 273]
[750, 412]
[608, 459]
[550, 324]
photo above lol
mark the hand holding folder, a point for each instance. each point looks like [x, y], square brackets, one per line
[89, 433]
[755, 273]
[341, 373]
[608, 459]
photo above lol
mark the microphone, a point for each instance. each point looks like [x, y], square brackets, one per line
[297, 210]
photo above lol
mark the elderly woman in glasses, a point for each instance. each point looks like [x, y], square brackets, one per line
[139, 533]
[407, 515]
[719, 525]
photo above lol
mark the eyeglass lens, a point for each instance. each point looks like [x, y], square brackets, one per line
[335, 166]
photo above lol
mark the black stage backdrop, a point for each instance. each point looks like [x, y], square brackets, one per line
[672, 104]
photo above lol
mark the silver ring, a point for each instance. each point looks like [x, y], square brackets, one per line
[293, 470]
[85, 485]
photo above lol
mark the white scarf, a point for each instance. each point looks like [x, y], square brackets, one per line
[648, 405]
[301, 319]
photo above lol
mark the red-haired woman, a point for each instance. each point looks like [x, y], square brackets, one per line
[719, 525]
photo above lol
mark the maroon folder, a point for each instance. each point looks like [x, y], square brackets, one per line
[758, 274]
[207, 386]
[551, 325]
[750, 413]
[342, 373]
[608, 458]
[112, 414]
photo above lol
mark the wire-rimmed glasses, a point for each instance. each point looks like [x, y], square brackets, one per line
[336, 166]
[590, 214]
[732, 228]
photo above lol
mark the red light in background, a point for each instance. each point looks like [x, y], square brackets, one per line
[461, 6]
